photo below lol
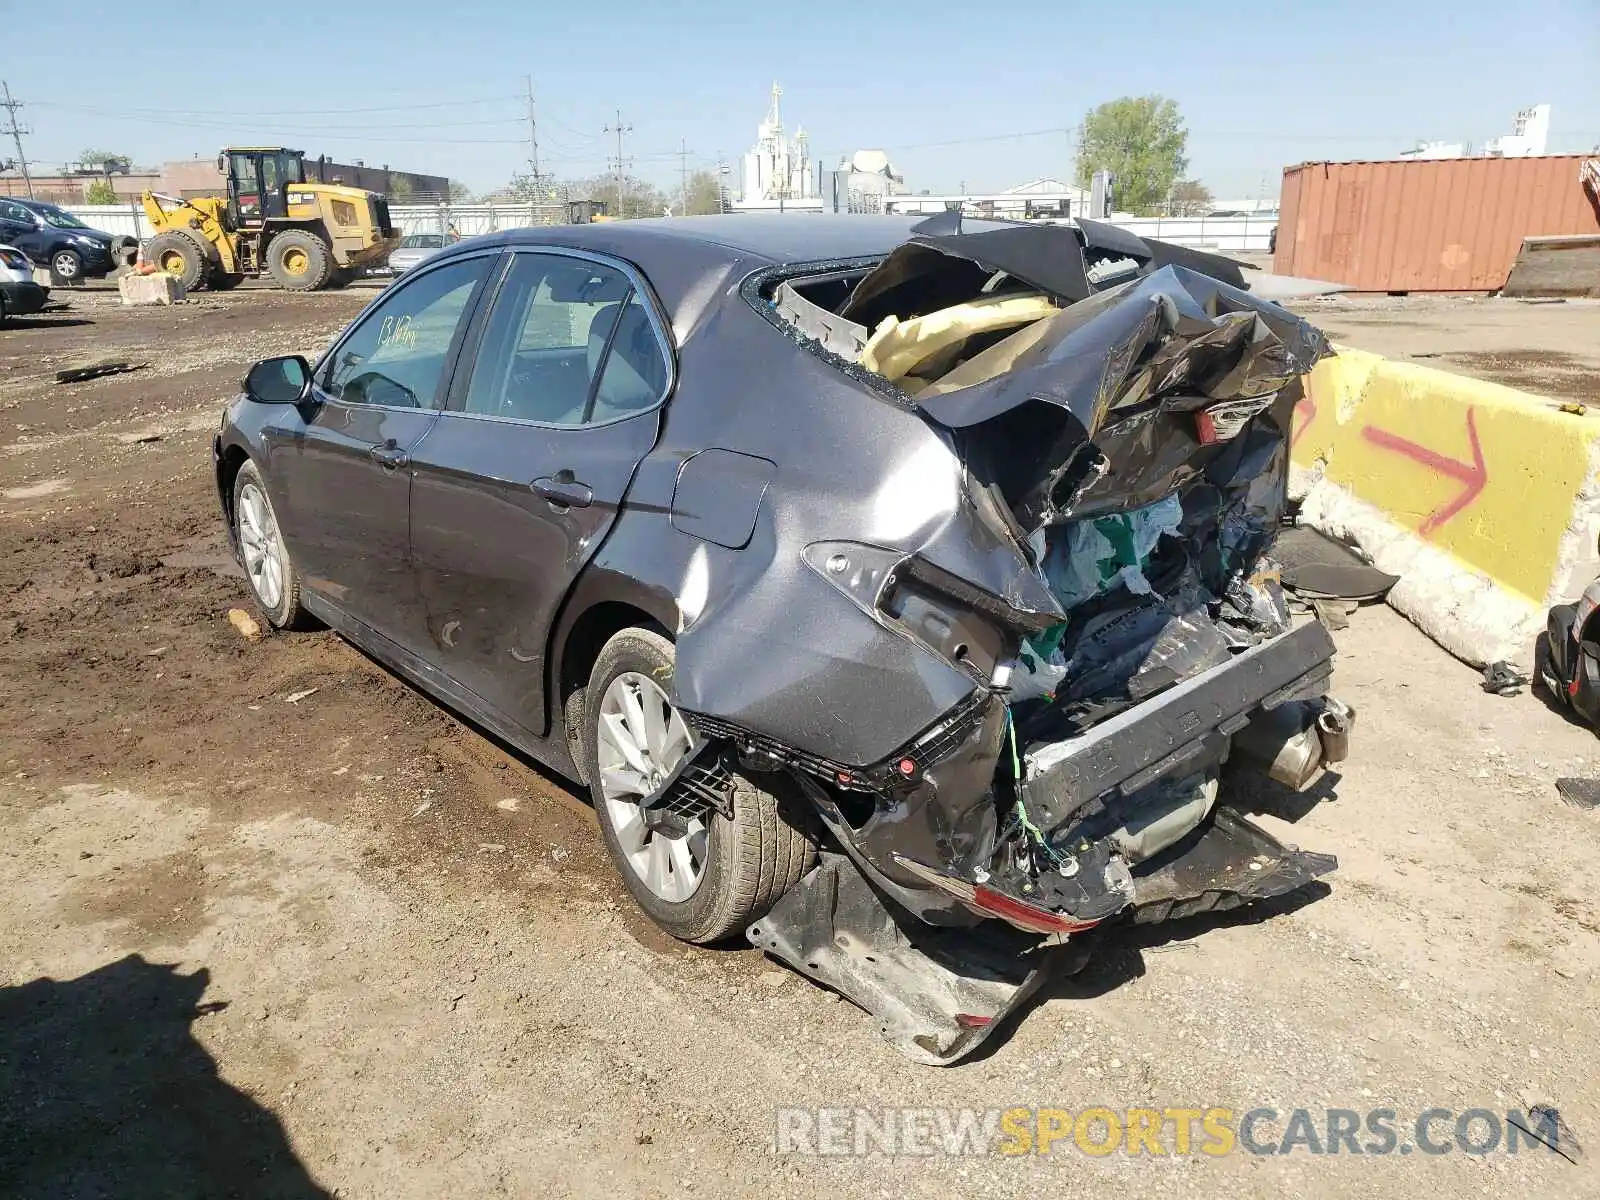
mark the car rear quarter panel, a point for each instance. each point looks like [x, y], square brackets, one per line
[763, 640]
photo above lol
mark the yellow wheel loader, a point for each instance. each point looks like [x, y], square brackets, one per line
[272, 222]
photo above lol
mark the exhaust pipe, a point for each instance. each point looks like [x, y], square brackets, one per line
[1295, 741]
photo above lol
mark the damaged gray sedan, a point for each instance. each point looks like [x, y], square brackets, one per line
[897, 590]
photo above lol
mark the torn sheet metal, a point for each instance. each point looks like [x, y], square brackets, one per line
[936, 994]
[1101, 413]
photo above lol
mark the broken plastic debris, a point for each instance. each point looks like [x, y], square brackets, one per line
[1502, 679]
[1579, 793]
[296, 697]
[1086, 559]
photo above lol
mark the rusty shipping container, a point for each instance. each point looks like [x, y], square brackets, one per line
[1425, 225]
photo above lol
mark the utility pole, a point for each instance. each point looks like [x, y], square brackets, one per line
[16, 132]
[620, 163]
[533, 141]
[683, 173]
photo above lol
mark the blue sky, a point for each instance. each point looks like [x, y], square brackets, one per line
[949, 90]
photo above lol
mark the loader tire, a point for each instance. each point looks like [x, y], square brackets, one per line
[181, 256]
[299, 261]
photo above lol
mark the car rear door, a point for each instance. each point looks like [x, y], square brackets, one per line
[339, 467]
[523, 475]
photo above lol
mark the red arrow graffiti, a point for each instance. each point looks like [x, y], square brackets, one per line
[1304, 413]
[1472, 476]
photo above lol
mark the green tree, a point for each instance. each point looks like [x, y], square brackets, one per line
[705, 196]
[105, 162]
[1189, 198]
[400, 189]
[634, 197]
[1141, 141]
[460, 193]
[100, 192]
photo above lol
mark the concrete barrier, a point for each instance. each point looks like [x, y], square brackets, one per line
[159, 288]
[1485, 500]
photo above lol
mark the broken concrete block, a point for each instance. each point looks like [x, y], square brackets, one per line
[160, 288]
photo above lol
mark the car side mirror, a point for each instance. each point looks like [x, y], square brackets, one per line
[284, 380]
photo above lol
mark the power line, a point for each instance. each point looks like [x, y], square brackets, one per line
[16, 132]
[275, 113]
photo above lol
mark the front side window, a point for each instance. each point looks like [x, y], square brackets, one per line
[558, 325]
[396, 356]
[60, 218]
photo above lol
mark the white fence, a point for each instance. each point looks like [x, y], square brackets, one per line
[1212, 233]
[1208, 233]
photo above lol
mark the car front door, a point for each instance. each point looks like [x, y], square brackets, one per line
[524, 474]
[339, 465]
[20, 228]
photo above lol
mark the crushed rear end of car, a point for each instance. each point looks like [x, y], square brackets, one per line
[1113, 417]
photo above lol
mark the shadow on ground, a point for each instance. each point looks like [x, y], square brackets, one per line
[105, 1092]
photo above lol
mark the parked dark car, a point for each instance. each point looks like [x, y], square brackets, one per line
[895, 590]
[52, 237]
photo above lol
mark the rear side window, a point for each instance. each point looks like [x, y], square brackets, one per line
[396, 356]
[569, 342]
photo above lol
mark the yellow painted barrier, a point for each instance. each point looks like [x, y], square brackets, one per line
[1487, 474]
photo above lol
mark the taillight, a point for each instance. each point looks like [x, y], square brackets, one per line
[1034, 918]
[14, 260]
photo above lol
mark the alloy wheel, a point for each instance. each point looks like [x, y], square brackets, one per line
[262, 546]
[639, 739]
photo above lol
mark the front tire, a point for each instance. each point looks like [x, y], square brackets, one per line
[710, 876]
[66, 266]
[274, 583]
[299, 261]
[181, 256]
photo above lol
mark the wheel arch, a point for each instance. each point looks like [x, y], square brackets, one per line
[314, 226]
[233, 457]
[587, 634]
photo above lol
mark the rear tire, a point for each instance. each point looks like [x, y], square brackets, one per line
[183, 257]
[299, 261]
[747, 862]
[274, 583]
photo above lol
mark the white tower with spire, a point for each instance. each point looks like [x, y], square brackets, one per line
[774, 169]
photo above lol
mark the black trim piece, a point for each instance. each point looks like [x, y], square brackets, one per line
[605, 357]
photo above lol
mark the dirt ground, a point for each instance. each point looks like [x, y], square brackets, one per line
[1550, 347]
[343, 944]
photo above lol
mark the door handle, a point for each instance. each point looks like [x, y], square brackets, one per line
[563, 491]
[389, 456]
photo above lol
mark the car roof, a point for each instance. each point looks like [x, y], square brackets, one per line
[779, 238]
